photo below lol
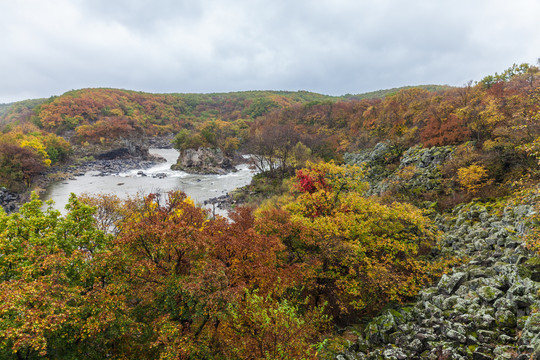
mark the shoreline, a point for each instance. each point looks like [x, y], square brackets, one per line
[11, 201]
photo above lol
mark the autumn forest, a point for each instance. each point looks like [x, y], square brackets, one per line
[339, 225]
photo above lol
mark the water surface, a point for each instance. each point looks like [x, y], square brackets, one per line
[198, 187]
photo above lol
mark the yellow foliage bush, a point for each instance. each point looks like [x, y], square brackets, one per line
[473, 177]
[357, 253]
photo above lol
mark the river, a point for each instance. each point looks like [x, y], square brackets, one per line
[130, 183]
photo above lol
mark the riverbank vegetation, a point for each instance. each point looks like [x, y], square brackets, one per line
[358, 207]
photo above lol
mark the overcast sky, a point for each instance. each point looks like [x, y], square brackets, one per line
[331, 47]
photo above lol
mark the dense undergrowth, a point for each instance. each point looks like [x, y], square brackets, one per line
[160, 279]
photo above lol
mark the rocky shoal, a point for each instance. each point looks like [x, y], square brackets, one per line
[108, 167]
[486, 308]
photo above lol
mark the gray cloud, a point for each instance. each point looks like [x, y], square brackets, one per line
[332, 47]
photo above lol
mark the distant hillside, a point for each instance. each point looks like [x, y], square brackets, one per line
[380, 94]
[90, 104]
[161, 112]
[18, 111]
[4, 108]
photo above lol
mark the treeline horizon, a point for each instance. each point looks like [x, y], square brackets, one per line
[495, 113]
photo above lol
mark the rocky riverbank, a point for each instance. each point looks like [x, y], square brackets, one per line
[12, 201]
[114, 166]
[487, 308]
[98, 167]
[9, 200]
[224, 202]
[103, 160]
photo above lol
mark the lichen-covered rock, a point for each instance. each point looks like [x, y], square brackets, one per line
[489, 293]
[505, 318]
[504, 352]
[419, 168]
[450, 283]
[456, 336]
[394, 354]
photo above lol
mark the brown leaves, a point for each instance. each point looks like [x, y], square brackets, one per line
[19, 165]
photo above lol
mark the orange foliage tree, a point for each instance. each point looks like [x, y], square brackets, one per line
[187, 275]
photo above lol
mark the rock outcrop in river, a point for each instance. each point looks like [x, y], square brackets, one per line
[203, 161]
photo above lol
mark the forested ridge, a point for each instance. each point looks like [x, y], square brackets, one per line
[363, 203]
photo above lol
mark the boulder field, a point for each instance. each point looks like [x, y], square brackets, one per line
[487, 307]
